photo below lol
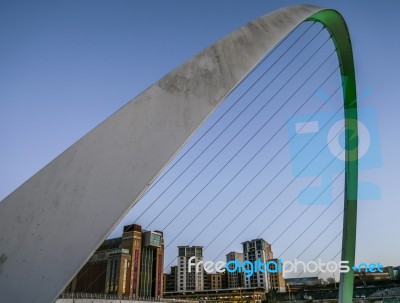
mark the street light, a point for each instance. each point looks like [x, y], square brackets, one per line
[290, 295]
[240, 293]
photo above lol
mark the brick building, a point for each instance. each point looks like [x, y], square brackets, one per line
[130, 266]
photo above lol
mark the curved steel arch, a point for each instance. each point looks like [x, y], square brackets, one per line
[52, 223]
[335, 24]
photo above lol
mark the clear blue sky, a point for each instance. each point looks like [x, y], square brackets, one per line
[67, 65]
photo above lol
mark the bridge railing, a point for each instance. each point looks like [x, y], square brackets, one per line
[102, 296]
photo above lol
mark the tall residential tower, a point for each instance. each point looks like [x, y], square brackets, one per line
[257, 249]
[193, 280]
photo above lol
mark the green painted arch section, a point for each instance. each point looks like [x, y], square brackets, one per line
[336, 25]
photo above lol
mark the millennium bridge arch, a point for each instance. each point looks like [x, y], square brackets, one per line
[66, 204]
